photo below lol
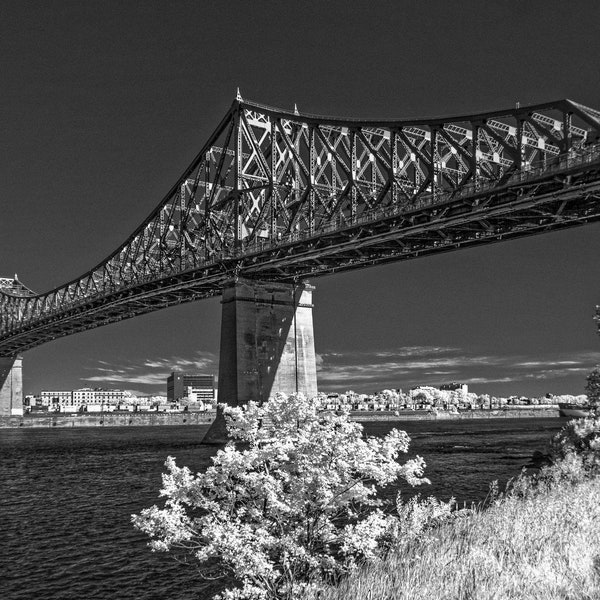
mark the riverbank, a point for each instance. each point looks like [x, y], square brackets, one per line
[506, 412]
[506, 551]
[154, 419]
[108, 419]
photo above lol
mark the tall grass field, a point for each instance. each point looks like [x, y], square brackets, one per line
[541, 544]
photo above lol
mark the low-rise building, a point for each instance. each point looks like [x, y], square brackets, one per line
[57, 400]
[92, 398]
[84, 399]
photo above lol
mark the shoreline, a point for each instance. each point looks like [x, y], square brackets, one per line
[153, 419]
[512, 412]
[146, 419]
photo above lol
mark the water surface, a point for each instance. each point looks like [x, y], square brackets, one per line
[67, 495]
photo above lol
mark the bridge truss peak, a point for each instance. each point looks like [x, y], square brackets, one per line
[281, 195]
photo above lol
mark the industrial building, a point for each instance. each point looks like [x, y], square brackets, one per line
[194, 387]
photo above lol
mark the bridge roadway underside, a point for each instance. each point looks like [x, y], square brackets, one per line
[552, 202]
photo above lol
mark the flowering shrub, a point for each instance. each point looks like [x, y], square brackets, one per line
[295, 505]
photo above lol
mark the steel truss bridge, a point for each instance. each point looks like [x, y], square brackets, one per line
[281, 196]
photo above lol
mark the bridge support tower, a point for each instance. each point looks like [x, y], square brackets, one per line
[11, 385]
[267, 345]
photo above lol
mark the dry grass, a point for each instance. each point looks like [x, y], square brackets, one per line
[541, 547]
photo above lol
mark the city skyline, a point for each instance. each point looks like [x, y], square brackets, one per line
[98, 125]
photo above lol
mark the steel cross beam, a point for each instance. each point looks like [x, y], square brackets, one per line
[281, 196]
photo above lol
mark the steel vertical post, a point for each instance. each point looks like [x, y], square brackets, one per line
[312, 168]
[566, 131]
[273, 215]
[353, 170]
[237, 175]
[433, 142]
[393, 166]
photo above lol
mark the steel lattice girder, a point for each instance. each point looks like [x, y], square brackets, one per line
[279, 195]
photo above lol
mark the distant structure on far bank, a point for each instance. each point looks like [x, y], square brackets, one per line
[90, 400]
[455, 387]
[191, 387]
[185, 392]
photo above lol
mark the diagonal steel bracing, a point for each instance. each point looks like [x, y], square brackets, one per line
[281, 196]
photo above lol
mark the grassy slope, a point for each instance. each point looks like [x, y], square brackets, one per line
[546, 546]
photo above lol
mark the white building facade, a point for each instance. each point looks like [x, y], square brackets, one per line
[85, 400]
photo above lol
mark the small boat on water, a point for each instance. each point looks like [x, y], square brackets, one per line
[574, 411]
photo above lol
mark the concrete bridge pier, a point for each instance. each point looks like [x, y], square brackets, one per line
[11, 385]
[267, 345]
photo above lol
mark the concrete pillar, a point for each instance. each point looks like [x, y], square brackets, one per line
[267, 344]
[11, 385]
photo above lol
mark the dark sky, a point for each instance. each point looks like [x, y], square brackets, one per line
[103, 104]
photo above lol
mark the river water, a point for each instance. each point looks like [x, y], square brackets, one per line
[67, 495]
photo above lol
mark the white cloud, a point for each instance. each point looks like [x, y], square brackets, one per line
[556, 373]
[573, 359]
[148, 379]
[539, 363]
[413, 365]
[476, 380]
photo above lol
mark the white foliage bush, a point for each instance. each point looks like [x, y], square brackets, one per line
[293, 506]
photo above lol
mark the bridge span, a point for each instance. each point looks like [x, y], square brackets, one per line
[276, 197]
